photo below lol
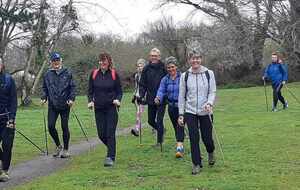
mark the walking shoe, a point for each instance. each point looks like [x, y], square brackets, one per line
[4, 176]
[285, 105]
[211, 159]
[65, 154]
[196, 169]
[179, 152]
[135, 132]
[57, 151]
[274, 110]
[108, 162]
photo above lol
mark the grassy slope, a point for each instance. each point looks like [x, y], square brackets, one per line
[262, 151]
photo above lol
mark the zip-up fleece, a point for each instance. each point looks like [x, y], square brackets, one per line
[197, 95]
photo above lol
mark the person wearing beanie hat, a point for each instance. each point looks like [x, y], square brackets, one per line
[139, 105]
[8, 109]
[59, 90]
[169, 89]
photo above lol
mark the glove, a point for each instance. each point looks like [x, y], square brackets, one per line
[91, 105]
[283, 82]
[11, 124]
[133, 99]
[181, 121]
[263, 78]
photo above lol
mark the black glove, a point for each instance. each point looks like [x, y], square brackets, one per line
[133, 99]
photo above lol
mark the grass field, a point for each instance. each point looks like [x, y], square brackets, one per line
[261, 149]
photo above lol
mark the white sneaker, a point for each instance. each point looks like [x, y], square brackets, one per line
[65, 154]
[57, 151]
[4, 177]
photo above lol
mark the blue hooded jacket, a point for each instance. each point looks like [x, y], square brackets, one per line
[276, 72]
[169, 88]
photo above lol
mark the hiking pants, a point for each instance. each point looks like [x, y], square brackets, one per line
[179, 130]
[6, 138]
[106, 121]
[156, 118]
[64, 116]
[277, 95]
[203, 123]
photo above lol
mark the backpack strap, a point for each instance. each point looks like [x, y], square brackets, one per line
[208, 81]
[94, 73]
[186, 76]
[7, 80]
[113, 74]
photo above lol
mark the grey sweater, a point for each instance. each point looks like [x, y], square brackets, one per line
[197, 95]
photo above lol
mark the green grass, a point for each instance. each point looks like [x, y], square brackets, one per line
[262, 151]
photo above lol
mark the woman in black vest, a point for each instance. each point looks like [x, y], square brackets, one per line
[104, 95]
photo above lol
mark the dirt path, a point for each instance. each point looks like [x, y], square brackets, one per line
[45, 165]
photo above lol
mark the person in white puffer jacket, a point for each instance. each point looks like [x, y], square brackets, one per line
[197, 94]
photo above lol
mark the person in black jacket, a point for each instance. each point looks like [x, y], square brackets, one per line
[104, 95]
[59, 91]
[8, 109]
[149, 84]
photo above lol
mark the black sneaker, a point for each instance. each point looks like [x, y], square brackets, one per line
[135, 132]
[211, 159]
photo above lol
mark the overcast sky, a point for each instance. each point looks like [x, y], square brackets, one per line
[129, 17]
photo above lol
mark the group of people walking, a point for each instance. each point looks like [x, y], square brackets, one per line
[189, 96]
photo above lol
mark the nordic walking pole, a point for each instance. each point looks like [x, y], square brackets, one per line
[80, 125]
[30, 141]
[140, 123]
[297, 100]
[45, 131]
[266, 95]
[217, 138]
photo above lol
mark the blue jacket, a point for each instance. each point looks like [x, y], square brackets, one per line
[169, 88]
[8, 96]
[276, 73]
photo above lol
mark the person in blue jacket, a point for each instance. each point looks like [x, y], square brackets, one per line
[169, 88]
[278, 76]
[8, 109]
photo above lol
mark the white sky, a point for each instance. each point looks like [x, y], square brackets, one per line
[132, 15]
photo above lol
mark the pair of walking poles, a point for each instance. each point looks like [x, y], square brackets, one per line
[45, 132]
[286, 87]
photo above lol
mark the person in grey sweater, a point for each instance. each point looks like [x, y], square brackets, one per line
[197, 93]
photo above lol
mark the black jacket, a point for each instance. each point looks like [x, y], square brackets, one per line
[8, 96]
[58, 88]
[150, 80]
[103, 90]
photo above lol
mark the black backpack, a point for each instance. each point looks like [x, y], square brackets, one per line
[186, 78]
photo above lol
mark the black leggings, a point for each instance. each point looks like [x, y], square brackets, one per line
[7, 138]
[156, 120]
[179, 130]
[277, 95]
[106, 121]
[195, 122]
[64, 116]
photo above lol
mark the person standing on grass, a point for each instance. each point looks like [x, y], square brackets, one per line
[169, 89]
[59, 90]
[151, 76]
[139, 105]
[104, 96]
[197, 93]
[8, 109]
[277, 73]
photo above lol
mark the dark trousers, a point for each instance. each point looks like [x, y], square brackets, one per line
[179, 130]
[7, 138]
[156, 119]
[106, 121]
[203, 123]
[277, 95]
[64, 116]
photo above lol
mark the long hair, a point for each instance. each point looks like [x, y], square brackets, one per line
[106, 56]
